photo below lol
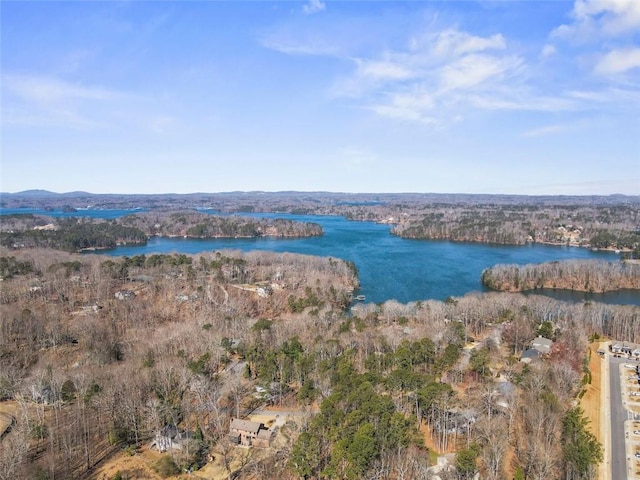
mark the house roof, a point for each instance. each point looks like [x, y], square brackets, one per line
[169, 431]
[245, 425]
[264, 434]
[530, 354]
[541, 344]
[541, 341]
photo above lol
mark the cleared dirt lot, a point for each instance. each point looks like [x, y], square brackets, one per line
[591, 402]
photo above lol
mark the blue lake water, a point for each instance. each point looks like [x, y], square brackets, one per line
[389, 267]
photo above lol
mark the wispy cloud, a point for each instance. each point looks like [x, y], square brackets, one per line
[382, 70]
[544, 131]
[436, 77]
[45, 101]
[473, 70]
[313, 6]
[50, 90]
[452, 42]
[410, 106]
[309, 44]
[618, 61]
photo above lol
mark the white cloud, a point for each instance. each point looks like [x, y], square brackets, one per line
[544, 131]
[444, 73]
[622, 97]
[473, 70]
[548, 51]
[414, 106]
[612, 17]
[437, 71]
[618, 61]
[309, 44]
[46, 101]
[455, 43]
[48, 90]
[594, 19]
[313, 6]
[383, 70]
[521, 101]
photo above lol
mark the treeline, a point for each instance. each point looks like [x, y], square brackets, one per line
[74, 235]
[202, 225]
[581, 275]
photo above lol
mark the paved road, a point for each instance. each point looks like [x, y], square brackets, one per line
[618, 417]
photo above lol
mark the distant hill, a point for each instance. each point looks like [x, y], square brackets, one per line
[34, 193]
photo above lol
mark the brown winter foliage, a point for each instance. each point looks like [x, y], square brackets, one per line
[96, 375]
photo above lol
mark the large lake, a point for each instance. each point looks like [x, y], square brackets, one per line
[389, 267]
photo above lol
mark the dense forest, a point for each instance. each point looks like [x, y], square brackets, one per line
[374, 392]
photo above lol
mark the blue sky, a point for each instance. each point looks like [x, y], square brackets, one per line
[519, 97]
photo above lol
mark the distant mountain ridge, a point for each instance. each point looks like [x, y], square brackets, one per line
[290, 200]
[34, 193]
[47, 193]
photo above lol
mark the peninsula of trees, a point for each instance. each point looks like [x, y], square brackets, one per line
[581, 275]
[203, 225]
[81, 234]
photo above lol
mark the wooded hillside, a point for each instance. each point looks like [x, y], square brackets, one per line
[101, 354]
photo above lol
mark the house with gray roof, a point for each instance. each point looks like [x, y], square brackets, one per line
[538, 347]
[248, 433]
